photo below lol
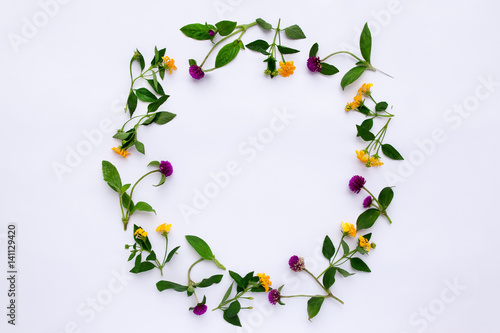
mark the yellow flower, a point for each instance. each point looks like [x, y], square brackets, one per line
[349, 229]
[348, 107]
[140, 233]
[365, 89]
[364, 243]
[121, 152]
[264, 281]
[361, 155]
[358, 101]
[169, 64]
[375, 162]
[163, 229]
[286, 69]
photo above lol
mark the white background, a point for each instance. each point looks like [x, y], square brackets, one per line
[70, 75]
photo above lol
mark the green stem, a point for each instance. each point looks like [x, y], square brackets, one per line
[190, 268]
[132, 191]
[346, 52]
[291, 296]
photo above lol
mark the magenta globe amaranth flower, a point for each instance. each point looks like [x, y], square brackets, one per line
[314, 64]
[166, 168]
[200, 309]
[196, 72]
[296, 263]
[356, 183]
[367, 202]
[274, 296]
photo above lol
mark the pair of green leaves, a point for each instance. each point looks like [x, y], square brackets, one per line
[364, 132]
[368, 218]
[292, 32]
[205, 283]
[200, 31]
[365, 46]
[326, 69]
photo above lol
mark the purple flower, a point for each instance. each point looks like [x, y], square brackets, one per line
[166, 168]
[196, 72]
[314, 64]
[356, 183]
[211, 32]
[200, 309]
[274, 296]
[367, 202]
[296, 263]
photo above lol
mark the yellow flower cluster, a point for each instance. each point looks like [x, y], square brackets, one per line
[368, 160]
[264, 281]
[365, 89]
[163, 228]
[358, 99]
[121, 152]
[140, 233]
[365, 244]
[349, 229]
[286, 68]
[169, 64]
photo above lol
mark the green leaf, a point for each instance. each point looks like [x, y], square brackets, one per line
[132, 102]
[343, 272]
[210, 281]
[391, 152]
[145, 95]
[359, 265]
[329, 277]
[154, 163]
[367, 124]
[132, 255]
[238, 279]
[233, 309]
[228, 292]
[161, 71]
[286, 50]
[259, 45]
[226, 54]
[314, 50]
[164, 285]
[365, 43]
[313, 306]
[364, 110]
[144, 207]
[162, 180]
[140, 147]
[111, 176]
[294, 32]
[367, 218]
[232, 320]
[381, 106]
[327, 69]
[200, 246]
[364, 133]
[192, 62]
[152, 107]
[120, 135]
[385, 197]
[143, 267]
[345, 247]
[225, 27]
[196, 31]
[126, 202]
[164, 117]
[171, 254]
[137, 264]
[352, 75]
[328, 248]
[151, 256]
[158, 89]
[263, 24]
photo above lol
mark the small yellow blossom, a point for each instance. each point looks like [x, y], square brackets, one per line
[365, 89]
[348, 107]
[121, 152]
[361, 155]
[163, 228]
[140, 233]
[349, 229]
[169, 64]
[264, 281]
[358, 101]
[375, 162]
[364, 243]
[286, 69]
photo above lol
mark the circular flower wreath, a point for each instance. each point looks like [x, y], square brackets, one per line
[347, 251]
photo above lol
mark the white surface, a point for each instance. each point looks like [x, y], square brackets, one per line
[72, 74]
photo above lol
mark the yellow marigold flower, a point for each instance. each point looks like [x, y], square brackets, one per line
[264, 281]
[375, 162]
[286, 69]
[364, 243]
[121, 152]
[361, 155]
[163, 228]
[349, 229]
[169, 64]
[365, 89]
[140, 233]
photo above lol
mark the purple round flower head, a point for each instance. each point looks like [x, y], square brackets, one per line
[274, 296]
[200, 309]
[211, 33]
[367, 202]
[314, 64]
[196, 72]
[356, 183]
[166, 168]
[296, 263]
